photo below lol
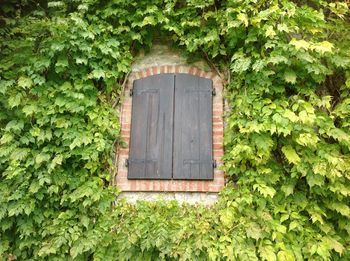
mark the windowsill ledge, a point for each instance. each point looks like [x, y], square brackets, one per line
[207, 199]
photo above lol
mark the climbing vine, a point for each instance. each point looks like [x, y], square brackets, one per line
[286, 67]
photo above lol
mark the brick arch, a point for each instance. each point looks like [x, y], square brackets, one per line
[215, 185]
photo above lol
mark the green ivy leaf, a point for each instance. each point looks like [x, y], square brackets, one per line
[290, 154]
[285, 255]
[254, 231]
[267, 253]
[290, 115]
[300, 44]
[24, 82]
[290, 77]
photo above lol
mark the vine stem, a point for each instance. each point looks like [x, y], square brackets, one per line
[212, 65]
[116, 102]
[115, 145]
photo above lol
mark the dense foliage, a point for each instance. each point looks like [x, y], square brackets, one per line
[287, 139]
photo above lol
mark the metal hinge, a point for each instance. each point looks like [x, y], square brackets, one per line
[127, 163]
[131, 92]
[214, 91]
[214, 164]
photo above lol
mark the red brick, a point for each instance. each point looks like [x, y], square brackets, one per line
[218, 132]
[170, 69]
[126, 138]
[218, 124]
[126, 126]
[218, 127]
[165, 185]
[171, 186]
[185, 69]
[203, 74]
[127, 106]
[218, 85]
[133, 184]
[122, 174]
[147, 72]
[175, 186]
[217, 99]
[198, 72]
[123, 152]
[218, 106]
[218, 153]
[218, 139]
[161, 185]
[162, 69]
[156, 185]
[217, 114]
[219, 177]
[186, 186]
[145, 185]
[124, 187]
[154, 70]
[125, 133]
[122, 183]
[205, 185]
[215, 188]
[211, 75]
[139, 75]
[217, 119]
[217, 146]
[191, 186]
[131, 78]
[125, 118]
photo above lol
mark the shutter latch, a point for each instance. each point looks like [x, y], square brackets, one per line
[131, 91]
[214, 164]
[127, 163]
[214, 91]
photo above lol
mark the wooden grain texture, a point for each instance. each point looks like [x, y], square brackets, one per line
[192, 158]
[151, 142]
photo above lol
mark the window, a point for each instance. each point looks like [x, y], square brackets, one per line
[171, 128]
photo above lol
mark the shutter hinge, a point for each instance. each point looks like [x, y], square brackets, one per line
[214, 91]
[131, 91]
[214, 164]
[127, 163]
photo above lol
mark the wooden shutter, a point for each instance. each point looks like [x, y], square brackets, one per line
[151, 140]
[192, 158]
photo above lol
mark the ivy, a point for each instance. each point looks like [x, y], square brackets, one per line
[286, 67]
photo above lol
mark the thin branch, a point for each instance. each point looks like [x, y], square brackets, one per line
[116, 102]
[115, 145]
[212, 65]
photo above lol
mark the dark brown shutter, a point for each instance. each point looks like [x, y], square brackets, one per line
[192, 158]
[151, 140]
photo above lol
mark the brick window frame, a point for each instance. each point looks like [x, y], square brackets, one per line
[215, 185]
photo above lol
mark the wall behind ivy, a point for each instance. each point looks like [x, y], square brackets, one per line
[286, 66]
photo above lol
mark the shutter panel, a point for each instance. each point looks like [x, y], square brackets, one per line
[151, 140]
[192, 157]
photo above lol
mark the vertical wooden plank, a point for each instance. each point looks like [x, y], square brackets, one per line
[206, 128]
[192, 156]
[137, 148]
[151, 141]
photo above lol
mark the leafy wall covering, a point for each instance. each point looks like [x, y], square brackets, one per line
[287, 140]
